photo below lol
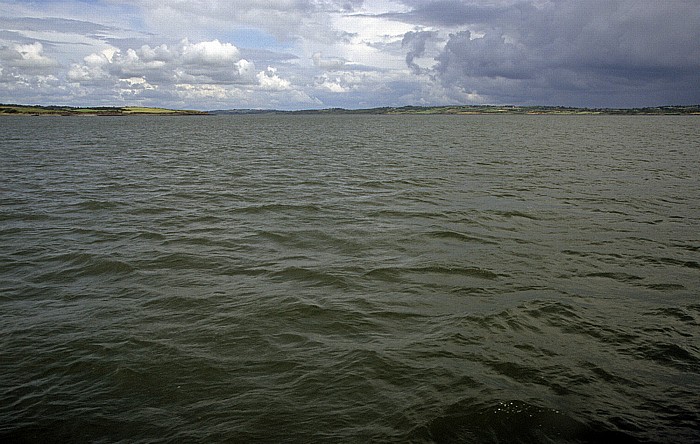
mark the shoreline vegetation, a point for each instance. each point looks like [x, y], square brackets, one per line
[36, 110]
[485, 110]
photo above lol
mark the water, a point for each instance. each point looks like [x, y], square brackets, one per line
[350, 279]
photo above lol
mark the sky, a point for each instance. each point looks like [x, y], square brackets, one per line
[304, 54]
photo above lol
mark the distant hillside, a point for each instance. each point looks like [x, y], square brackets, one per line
[95, 111]
[422, 110]
[483, 109]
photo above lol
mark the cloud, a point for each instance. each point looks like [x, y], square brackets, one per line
[489, 56]
[331, 84]
[27, 57]
[203, 62]
[450, 13]
[56, 25]
[415, 41]
[212, 53]
[287, 20]
[327, 63]
[583, 52]
[186, 72]
[269, 80]
[350, 53]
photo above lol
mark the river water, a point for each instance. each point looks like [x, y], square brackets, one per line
[350, 279]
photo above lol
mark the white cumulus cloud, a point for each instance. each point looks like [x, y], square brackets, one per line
[208, 62]
[27, 56]
[269, 80]
[209, 53]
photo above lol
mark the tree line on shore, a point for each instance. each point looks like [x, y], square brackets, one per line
[12, 109]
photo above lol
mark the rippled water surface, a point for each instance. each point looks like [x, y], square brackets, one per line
[350, 279]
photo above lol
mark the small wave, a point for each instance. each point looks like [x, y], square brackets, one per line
[576, 253]
[688, 247]
[151, 211]
[617, 276]
[512, 214]
[539, 309]
[311, 276]
[446, 234]
[506, 321]
[107, 266]
[470, 291]
[467, 271]
[333, 241]
[151, 235]
[24, 217]
[671, 261]
[405, 214]
[394, 273]
[277, 208]
[519, 372]
[607, 376]
[96, 205]
[514, 421]
[85, 264]
[274, 236]
[182, 261]
[673, 355]
[665, 287]
[677, 313]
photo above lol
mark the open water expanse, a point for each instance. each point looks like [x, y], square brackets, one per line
[301, 279]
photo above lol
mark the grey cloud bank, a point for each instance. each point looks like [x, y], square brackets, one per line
[581, 53]
[293, 54]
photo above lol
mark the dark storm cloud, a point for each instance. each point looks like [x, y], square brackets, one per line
[582, 52]
[448, 13]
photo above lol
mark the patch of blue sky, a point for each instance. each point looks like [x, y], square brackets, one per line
[254, 38]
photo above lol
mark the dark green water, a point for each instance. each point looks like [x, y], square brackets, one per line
[350, 279]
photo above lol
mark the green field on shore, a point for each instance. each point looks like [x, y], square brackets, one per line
[484, 109]
[98, 111]
[421, 110]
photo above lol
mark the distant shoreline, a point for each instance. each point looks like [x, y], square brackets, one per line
[482, 110]
[35, 110]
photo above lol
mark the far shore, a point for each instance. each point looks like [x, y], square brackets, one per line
[36, 110]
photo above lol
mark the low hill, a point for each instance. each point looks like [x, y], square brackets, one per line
[482, 109]
[421, 110]
[96, 111]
